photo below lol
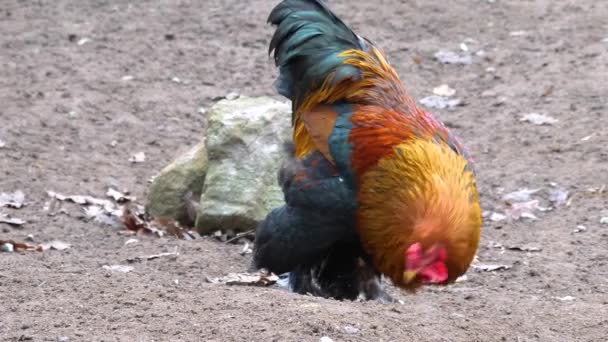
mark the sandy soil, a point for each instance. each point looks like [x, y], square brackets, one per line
[62, 104]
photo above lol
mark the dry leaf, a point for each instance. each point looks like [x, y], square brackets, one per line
[84, 200]
[444, 90]
[153, 256]
[83, 41]
[439, 102]
[251, 279]
[497, 217]
[55, 244]
[520, 195]
[118, 196]
[21, 246]
[118, 268]
[246, 249]
[12, 200]
[580, 228]
[517, 33]
[100, 215]
[7, 247]
[172, 228]
[525, 210]
[538, 119]
[462, 279]
[558, 196]
[13, 221]
[491, 268]
[525, 248]
[138, 157]
[450, 57]
[132, 221]
[232, 96]
[2, 144]
[548, 91]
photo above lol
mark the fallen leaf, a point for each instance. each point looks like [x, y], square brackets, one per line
[491, 268]
[493, 244]
[525, 248]
[462, 279]
[2, 144]
[127, 78]
[525, 210]
[538, 119]
[13, 221]
[558, 196]
[246, 249]
[439, 102]
[7, 247]
[565, 299]
[604, 220]
[20, 246]
[83, 41]
[118, 268]
[517, 33]
[84, 200]
[133, 221]
[252, 279]
[153, 256]
[497, 217]
[172, 228]
[12, 200]
[138, 157]
[118, 196]
[450, 57]
[580, 228]
[100, 215]
[56, 245]
[349, 329]
[242, 235]
[232, 96]
[131, 241]
[444, 90]
[547, 92]
[326, 339]
[520, 195]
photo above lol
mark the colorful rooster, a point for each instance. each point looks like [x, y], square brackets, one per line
[375, 180]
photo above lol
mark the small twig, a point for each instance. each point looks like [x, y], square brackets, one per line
[240, 235]
[152, 257]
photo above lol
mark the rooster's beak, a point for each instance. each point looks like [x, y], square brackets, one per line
[408, 276]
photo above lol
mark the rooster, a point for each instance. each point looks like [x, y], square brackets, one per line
[376, 185]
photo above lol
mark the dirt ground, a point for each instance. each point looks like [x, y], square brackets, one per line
[64, 100]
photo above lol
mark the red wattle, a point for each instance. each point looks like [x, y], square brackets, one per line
[435, 273]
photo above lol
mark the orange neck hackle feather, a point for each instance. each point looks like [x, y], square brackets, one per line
[378, 85]
[422, 193]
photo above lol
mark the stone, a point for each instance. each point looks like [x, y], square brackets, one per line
[167, 195]
[245, 136]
